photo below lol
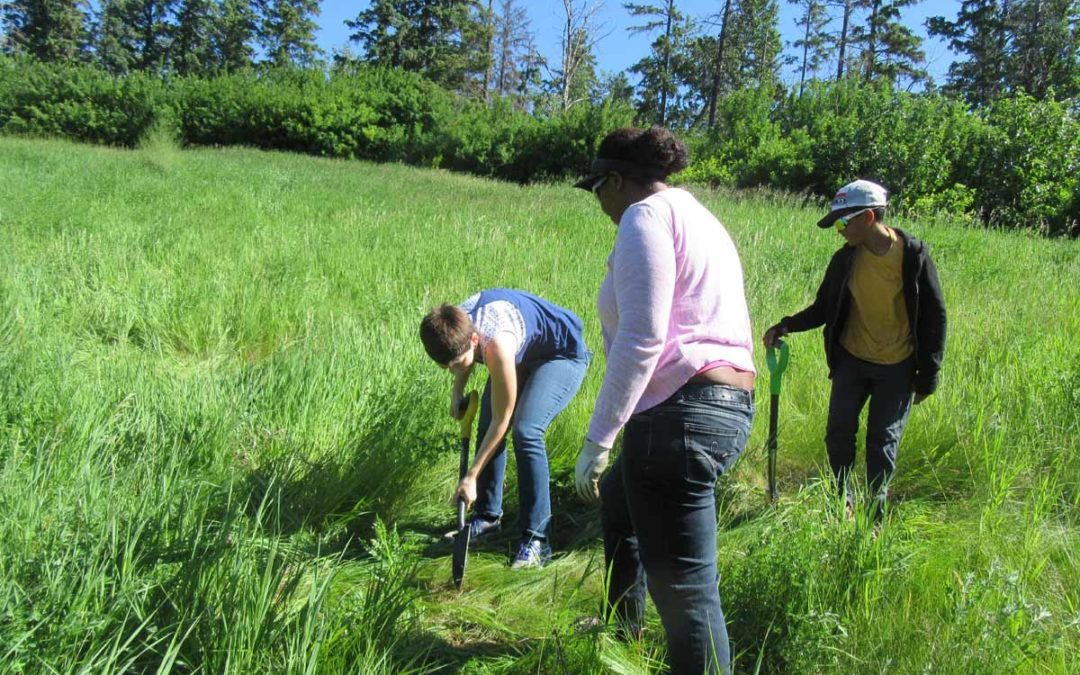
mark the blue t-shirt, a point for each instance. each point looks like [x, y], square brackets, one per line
[541, 330]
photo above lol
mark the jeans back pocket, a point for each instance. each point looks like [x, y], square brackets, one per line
[713, 443]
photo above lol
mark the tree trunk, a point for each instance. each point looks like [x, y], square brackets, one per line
[718, 70]
[490, 49]
[567, 54]
[666, 76]
[1002, 66]
[806, 45]
[843, 40]
[871, 46]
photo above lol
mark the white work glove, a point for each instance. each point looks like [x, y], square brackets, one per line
[590, 464]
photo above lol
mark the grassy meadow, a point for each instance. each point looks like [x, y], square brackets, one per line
[222, 449]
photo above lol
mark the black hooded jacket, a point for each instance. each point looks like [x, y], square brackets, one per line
[922, 296]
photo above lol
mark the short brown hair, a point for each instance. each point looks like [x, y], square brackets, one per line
[445, 332]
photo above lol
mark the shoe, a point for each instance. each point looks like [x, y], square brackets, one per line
[532, 553]
[588, 624]
[478, 527]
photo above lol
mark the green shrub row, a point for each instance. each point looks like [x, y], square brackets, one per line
[375, 114]
[1014, 163]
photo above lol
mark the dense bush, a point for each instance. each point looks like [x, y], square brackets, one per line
[373, 114]
[73, 101]
[498, 141]
[1026, 165]
[1013, 163]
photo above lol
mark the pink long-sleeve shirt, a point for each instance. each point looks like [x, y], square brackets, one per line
[672, 303]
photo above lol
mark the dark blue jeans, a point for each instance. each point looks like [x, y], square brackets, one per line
[544, 390]
[658, 510]
[889, 389]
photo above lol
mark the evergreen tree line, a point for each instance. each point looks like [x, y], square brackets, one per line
[486, 48]
[185, 37]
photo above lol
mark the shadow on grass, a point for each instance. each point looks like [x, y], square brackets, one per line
[370, 473]
[435, 653]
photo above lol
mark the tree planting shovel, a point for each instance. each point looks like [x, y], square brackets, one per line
[461, 542]
[776, 372]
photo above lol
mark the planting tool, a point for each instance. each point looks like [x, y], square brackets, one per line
[777, 366]
[469, 404]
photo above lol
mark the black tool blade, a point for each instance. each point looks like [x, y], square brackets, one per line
[461, 546]
[771, 445]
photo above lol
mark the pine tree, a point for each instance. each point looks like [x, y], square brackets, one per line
[658, 80]
[531, 75]
[616, 87]
[114, 36]
[702, 49]
[134, 34]
[746, 52]
[445, 40]
[151, 21]
[842, 38]
[234, 32]
[287, 32]
[757, 33]
[980, 32]
[384, 33]
[814, 41]
[1045, 48]
[48, 30]
[193, 51]
[511, 39]
[892, 50]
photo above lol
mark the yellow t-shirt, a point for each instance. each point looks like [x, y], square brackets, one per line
[877, 327]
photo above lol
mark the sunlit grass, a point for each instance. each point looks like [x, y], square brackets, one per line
[211, 394]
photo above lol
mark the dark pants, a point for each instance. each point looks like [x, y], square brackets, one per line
[889, 388]
[544, 390]
[658, 510]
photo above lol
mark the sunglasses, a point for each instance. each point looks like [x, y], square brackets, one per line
[843, 221]
[596, 186]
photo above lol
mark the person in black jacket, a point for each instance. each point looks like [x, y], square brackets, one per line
[884, 318]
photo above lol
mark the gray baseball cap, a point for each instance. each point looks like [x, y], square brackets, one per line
[856, 196]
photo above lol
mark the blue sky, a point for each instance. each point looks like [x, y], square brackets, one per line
[619, 50]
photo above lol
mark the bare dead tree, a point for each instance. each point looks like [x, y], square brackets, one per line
[512, 39]
[579, 35]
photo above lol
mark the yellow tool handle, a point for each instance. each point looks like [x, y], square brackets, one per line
[470, 403]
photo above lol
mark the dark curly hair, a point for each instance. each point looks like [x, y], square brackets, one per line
[655, 150]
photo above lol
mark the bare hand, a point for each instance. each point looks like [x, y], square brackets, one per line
[466, 490]
[457, 411]
[773, 334]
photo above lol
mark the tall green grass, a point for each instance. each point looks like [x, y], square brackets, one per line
[222, 449]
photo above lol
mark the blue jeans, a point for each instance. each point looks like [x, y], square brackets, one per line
[889, 388]
[658, 510]
[544, 390]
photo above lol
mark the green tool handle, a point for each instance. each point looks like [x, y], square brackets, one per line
[777, 366]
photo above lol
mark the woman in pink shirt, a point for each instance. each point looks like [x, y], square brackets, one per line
[679, 382]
